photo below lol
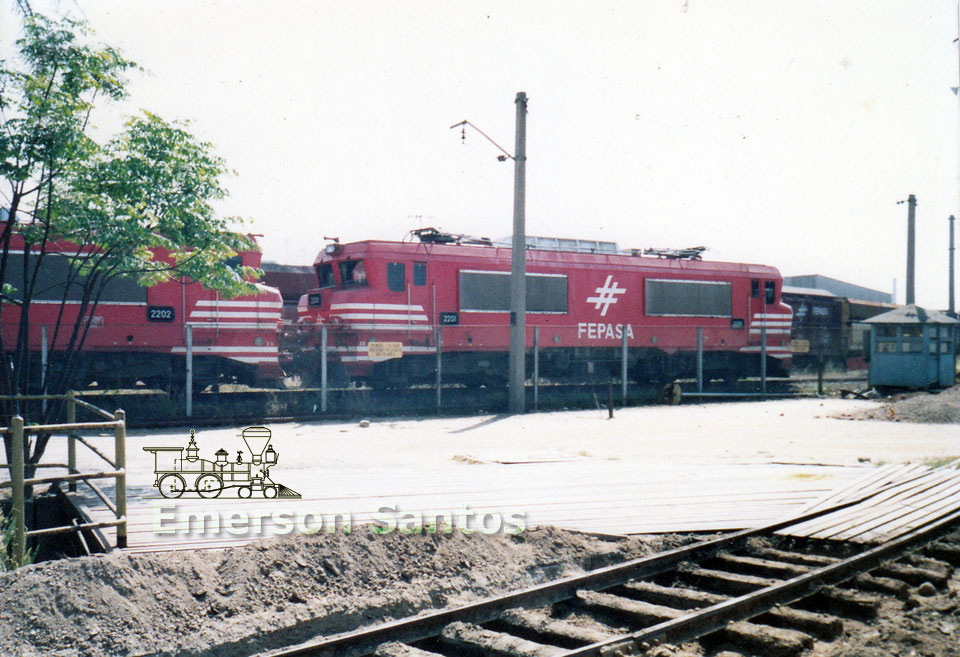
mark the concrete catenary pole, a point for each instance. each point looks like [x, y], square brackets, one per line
[950, 303]
[518, 271]
[911, 245]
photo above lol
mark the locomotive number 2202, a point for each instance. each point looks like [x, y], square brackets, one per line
[160, 313]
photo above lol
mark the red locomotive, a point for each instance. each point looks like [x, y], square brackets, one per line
[138, 333]
[583, 296]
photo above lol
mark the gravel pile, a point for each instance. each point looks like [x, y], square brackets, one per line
[931, 408]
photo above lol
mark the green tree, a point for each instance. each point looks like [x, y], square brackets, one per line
[144, 193]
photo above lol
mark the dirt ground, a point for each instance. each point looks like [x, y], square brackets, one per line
[236, 602]
[255, 598]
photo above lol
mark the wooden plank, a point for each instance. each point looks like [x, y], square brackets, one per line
[908, 517]
[90, 514]
[850, 516]
[893, 474]
[873, 515]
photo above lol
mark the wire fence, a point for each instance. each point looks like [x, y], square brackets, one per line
[393, 350]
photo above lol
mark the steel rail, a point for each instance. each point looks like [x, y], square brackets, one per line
[747, 606]
[362, 642]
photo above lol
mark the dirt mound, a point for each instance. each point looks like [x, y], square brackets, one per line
[238, 601]
[927, 407]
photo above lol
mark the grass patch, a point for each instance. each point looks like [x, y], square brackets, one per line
[939, 461]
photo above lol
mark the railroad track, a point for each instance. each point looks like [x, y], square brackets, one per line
[758, 590]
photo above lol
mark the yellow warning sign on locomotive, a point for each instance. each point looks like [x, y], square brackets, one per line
[384, 350]
[800, 346]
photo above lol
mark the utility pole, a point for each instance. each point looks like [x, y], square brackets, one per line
[950, 305]
[518, 269]
[911, 245]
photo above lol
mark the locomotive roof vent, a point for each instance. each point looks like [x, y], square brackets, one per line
[564, 244]
[692, 253]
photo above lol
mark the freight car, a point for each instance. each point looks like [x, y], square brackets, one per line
[385, 306]
[138, 334]
[830, 327]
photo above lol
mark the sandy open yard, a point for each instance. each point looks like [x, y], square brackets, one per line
[649, 470]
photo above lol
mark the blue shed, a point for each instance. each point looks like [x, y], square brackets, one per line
[912, 348]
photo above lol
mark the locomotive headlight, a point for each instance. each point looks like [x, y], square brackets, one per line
[333, 249]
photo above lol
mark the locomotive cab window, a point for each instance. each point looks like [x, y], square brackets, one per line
[419, 273]
[325, 275]
[234, 262]
[769, 292]
[396, 276]
[353, 272]
[755, 289]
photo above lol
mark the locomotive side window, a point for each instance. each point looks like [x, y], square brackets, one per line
[688, 298]
[419, 273]
[56, 269]
[755, 289]
[489, 291]
[353, 272]
[396, 276]
[325, 275]
[769, 292]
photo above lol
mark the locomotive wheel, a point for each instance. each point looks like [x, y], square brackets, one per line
[172, 486]
[244, 492]
[209, 485]
[270, 491]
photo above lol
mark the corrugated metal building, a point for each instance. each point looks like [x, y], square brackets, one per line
[838, 288]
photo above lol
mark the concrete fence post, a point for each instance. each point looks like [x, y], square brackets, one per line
[439, 345]
[699, 359]
[623, 366]
[536, 368]
[323, 369]
[189, 386]
[763, 360]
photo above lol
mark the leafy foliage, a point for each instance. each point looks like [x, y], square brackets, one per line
[7, 561]
[139, 205]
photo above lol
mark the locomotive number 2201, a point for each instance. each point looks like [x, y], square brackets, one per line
[160, 313]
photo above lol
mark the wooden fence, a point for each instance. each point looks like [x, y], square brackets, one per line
[72, 430]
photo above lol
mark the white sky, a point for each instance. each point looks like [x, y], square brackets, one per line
[782, 133]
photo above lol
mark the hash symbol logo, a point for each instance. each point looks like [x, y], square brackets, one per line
[606, 295]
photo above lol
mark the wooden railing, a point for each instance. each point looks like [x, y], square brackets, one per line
[72, 430]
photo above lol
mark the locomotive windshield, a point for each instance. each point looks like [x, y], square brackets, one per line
[353, 272]
[325, 275]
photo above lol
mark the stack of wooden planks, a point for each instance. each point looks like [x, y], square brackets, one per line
[896, 499]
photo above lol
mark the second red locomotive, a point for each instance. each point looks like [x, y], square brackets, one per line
[138, 334]
[582, 298]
